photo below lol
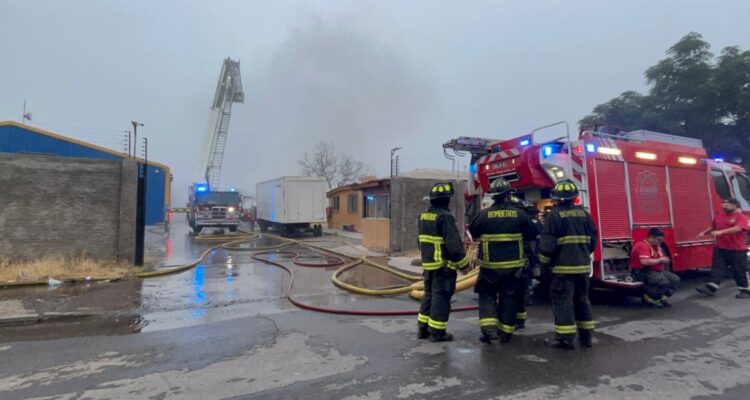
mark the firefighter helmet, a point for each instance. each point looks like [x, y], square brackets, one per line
[499, 187]
[564, 190]
[442, 190]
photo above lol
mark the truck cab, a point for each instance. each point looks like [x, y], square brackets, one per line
[213, 209]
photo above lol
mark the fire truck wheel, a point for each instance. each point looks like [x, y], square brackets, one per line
[197, 229]
[232, 229]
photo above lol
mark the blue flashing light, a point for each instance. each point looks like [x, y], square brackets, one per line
[547, 151]
[719, 159]
[473, 168]
[525, 142]
[232, 189]
[370, 198]
[591, 148]
[201, 188]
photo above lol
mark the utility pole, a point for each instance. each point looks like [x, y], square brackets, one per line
[129, 133]
[136, 124]
[140, 214]
[394, 162]
[26, 115]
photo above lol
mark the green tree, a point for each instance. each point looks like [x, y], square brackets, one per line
[691, 93]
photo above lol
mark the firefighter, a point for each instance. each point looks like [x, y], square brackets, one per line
[647, 263]
[502, 230]
[442, 254]
[730, 232]
[567, 241]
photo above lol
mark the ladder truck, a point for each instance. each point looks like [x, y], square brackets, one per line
[215, 213]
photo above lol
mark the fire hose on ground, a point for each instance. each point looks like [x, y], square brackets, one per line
[332, 259]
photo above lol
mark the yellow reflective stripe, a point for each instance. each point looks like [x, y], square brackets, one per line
[486, 251]
[571, 269]
[565, 329]
[438, 256]
[544, 259]
[522, 315]
[423, 318]
[459, 264]
[431, 239]
[506, 328]
[437, 324]
[484, 322]
[588, 325]
[432, 265]
[503, 264]
[574, 239]
[648, 299]
[501, 237]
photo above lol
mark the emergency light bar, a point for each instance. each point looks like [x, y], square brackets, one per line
[201, 188]
[645, 156]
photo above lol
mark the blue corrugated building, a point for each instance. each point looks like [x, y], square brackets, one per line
[18, 138]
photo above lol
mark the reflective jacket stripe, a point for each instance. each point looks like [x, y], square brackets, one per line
[571, 269]
[574, 239]
[502, 264]
[459, 264]
[437, 255]
[431, 239]
[544, 259]
[488, 238]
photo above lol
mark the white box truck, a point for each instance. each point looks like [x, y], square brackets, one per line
[291, 204]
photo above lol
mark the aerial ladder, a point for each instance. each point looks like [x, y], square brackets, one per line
[228, 92]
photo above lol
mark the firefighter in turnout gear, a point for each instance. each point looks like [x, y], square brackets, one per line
[502, 229]
[567, 241]
[442, 255]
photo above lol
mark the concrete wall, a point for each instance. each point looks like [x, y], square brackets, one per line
[60, 206]
[407, 203]
[344, 216]
[376, 234]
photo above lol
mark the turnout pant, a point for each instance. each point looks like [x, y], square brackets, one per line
[658, 285]
[435, 309]
[497, 290]
[570, 303]
[522, 300]
[722, 259]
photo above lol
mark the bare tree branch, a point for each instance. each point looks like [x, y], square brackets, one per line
[336, 169]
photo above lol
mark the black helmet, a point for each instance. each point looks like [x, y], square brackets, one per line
[564, 190]
[442, 190]
[499, 187]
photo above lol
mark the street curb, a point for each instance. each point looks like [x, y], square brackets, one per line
[44, 317]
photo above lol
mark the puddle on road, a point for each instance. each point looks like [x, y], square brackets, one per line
[227, 285]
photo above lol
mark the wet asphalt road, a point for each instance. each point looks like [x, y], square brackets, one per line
[224, 331]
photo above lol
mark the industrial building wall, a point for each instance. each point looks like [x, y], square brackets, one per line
[407, 202]
[16, 138]
[62, 206]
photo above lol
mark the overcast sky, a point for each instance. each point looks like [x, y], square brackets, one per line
[368, 75]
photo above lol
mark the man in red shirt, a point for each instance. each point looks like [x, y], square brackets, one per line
[730, 232]
[647, 262]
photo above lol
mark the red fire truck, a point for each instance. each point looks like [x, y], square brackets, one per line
[629, 182]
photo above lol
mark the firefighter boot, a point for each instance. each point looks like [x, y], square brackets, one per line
[520, 324]
[556, 343]
[422, 332]
[488, 335]
[505, 337]
[585, 338]
[743, 294]
[441, 336]
[665, 301]
[706, 290]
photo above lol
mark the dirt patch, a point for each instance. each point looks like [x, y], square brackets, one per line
[61, 269]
